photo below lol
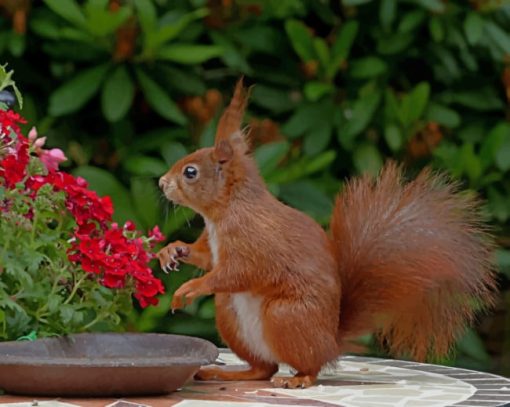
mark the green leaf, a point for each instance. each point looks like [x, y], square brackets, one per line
[307, 116]
[305, 196]
[472, 345]
[101, 21]
[159, 100]
[341, 48]
[503, 259]
[189, 53]
[268, 156]
[471, 163]
[68, 10]
[321, 50]
[145, 166]
[499, 206]
[414, 104]
[393, 137]
[358, 118]
[117, 95]
[172, 152]
[316, 90]
[32, 336]
[7, 81]
[66, 313]
[434, 6]
[301, 168]
[317, 140]
[345, 39]
[473, 27]
[177, 220]
[17, 44]
[182, 79]
[145, 198]
[367, 67]
[153, 140]
[411, 21]
[367, 159]
[498, 35]
[387, 12]
[73, 94]
[503, 156]
[301, 39]
[44, 27]
[481, 99]
[394, 43]
[443, 115]
[436, 29]
[146, 15]
[274, 99]
[232, 56]
[104, 183]
[491, 145]
[171, 30]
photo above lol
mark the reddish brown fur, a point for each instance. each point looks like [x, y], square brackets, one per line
[404, 261]
[413, 256]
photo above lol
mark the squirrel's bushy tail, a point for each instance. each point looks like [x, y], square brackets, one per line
[415, 261]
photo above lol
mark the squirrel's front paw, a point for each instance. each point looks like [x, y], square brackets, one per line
[188, 292]
[169, 256]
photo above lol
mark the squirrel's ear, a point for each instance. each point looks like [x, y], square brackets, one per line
[231, 120]
[223, 152]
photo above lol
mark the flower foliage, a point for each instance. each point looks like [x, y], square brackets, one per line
[56, 231]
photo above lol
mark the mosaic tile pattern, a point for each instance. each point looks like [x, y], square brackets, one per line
[354, 382]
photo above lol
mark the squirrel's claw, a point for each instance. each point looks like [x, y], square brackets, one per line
[169, 257]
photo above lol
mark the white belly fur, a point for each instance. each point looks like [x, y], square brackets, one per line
[247, 308]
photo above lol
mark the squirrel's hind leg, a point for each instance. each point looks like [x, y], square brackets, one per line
[228, 327]
[260, 372]
[303, 336]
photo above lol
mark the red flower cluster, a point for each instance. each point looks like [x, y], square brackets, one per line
[115, 255]
[13, 165]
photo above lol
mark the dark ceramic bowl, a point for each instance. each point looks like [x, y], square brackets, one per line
[102, 364]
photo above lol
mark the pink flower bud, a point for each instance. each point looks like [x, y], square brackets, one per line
[32, 134]
[52, 158]
[40, 142]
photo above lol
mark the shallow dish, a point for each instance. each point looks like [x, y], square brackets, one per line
[102, 364]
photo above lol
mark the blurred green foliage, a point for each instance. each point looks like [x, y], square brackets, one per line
[127, 87]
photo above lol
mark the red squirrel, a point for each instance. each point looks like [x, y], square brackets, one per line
[410, 261]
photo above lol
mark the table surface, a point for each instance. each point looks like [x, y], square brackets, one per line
[354, 382]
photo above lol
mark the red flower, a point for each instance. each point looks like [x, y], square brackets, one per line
[13, 167]
[9, 121]
[112, 254]
[156, 234]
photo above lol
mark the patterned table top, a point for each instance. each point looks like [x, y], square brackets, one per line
[355, 382]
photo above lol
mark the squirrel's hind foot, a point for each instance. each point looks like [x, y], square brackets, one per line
[299, 381]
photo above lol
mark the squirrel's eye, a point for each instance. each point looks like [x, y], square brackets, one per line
[190, 172]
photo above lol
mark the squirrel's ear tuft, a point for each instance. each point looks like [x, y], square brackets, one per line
[232, 118]
[223, 152]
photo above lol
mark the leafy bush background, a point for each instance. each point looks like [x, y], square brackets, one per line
[127, 87]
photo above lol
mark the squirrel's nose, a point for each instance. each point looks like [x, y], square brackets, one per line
[162, 182]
